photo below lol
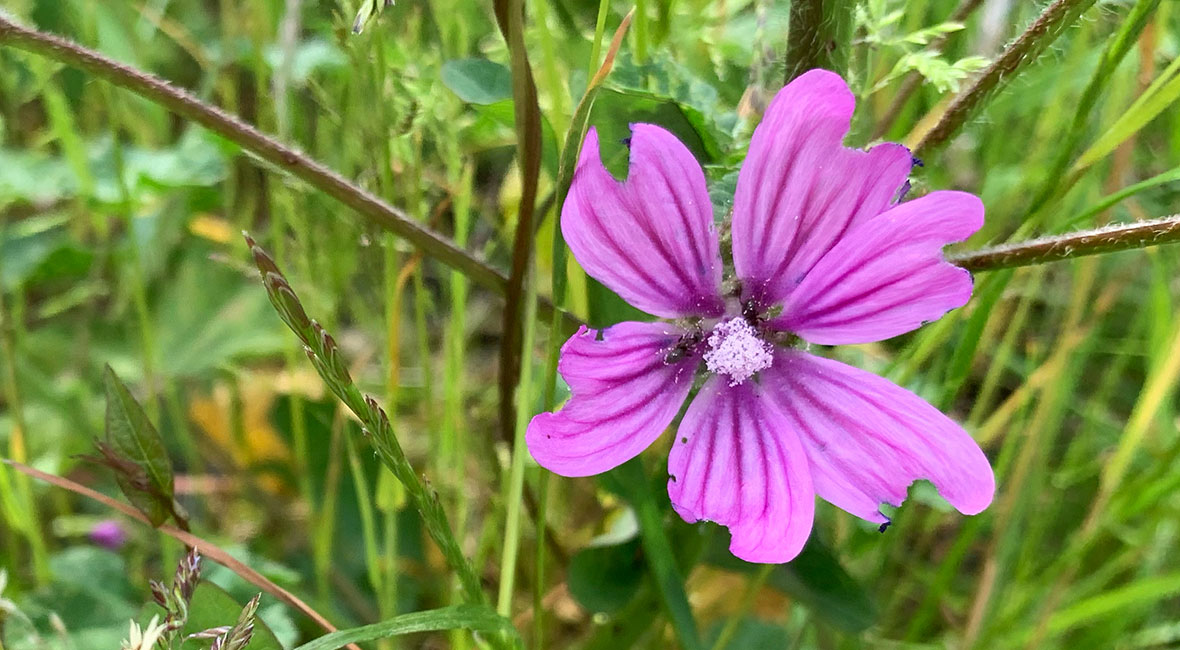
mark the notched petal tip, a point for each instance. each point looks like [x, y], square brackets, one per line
[868, 439]
[649, 238]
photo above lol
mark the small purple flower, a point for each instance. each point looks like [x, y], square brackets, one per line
[108, 534]
[822, 253]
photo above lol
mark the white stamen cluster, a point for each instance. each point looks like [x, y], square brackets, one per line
[735, 349]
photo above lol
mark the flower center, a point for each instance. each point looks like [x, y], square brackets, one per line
[735, 349]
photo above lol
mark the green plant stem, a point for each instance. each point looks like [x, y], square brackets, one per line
[287, 159]
[1023, 51]
[539, 558]
[515, 494]
[599, 31]
[1084, 243]
[658, 554]
[818, 36]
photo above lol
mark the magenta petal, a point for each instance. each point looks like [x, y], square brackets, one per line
[800, 189]
[867, 439]
[887, 276]
[651, 239]
[736, 462]
[623, 397]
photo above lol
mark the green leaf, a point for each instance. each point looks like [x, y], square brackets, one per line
[466, 617]
[615, 110]
[605, 578]
[478, 81]
[209, 316]
[212, 607]
[489, 128]
[815, 578]
[1115, 601]
[131, 434]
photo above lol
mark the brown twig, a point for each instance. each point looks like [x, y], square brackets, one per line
[510, 18]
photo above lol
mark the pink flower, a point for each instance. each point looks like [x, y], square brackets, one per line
[823, 253]
[108, 534]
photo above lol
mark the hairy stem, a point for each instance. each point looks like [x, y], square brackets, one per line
[249, 138]
[1110, 239]
[1024, 50]
[818, 36]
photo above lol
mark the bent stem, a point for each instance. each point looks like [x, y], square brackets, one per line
[914, 79]
[1109, 239]
[1024, 50]
[264, 146]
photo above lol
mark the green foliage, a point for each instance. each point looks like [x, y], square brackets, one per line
[880, 20]
[136, 452]
[478, 81]
[605, 577]
[118, 247]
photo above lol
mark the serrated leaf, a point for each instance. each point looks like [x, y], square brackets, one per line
[131, 434]
[478, 81]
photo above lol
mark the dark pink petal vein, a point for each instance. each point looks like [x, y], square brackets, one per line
[868, 439]
[800, 189]
[736, 462]
[651, 238]
[623, 397]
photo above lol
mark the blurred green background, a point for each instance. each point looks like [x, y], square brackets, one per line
[120, 245]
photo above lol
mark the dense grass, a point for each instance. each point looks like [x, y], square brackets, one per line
[119, 245]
